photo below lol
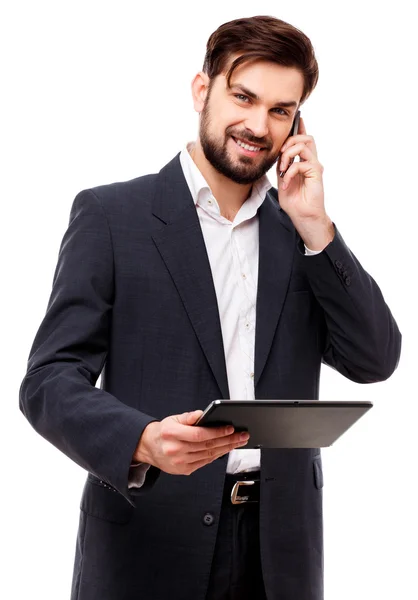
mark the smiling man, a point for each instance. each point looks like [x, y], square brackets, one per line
[233, 104]
[205, 281]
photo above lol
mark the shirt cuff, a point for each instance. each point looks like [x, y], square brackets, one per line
[137, 474]
[311, 252]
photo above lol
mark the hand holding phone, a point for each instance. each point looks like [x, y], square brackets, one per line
[293, 131]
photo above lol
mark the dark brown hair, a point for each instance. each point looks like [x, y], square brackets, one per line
[261, 38]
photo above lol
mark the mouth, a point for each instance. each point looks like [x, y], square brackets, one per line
[247, 148]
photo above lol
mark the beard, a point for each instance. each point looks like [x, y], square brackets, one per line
[240, 169]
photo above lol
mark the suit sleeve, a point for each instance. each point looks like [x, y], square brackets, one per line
[58, 394]
[362, 340]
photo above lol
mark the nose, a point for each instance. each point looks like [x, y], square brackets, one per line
[257, 123]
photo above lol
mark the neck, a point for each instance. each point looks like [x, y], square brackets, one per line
[229, 195]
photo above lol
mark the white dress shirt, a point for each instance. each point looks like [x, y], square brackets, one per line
[232, 248]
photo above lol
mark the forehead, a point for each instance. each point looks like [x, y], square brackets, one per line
[270, 81]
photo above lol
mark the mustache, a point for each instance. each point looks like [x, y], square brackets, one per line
[251, 139]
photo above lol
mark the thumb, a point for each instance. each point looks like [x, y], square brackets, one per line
[189, 418]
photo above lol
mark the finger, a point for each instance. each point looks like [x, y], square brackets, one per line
[307, 169]
[302, 128]
[173, 429]
[297, 150]
[212, 453]
[216, 443]
[194, 416]
[203, 434]
[189, 462]
[188, 418]
[296, 139]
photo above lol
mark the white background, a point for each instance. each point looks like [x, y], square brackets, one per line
[97, 92]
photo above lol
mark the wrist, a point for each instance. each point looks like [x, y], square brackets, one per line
[316, 233]
[143, 452]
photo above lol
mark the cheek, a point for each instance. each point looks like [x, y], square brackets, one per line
[280, 139]
[233, 119]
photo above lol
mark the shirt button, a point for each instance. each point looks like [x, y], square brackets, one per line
[244, 276]
[252, 375]
[247, 325]
[208, 519]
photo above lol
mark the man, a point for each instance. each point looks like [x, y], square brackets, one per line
[202, 282]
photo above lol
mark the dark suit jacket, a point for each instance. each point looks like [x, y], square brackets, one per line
[133, 297]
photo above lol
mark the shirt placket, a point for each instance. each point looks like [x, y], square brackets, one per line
[246, 317]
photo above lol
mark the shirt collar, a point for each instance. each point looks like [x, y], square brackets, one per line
[198, 185]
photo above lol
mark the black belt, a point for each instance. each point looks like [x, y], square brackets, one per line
[242, 488]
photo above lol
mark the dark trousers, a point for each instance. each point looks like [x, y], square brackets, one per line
[236, 567]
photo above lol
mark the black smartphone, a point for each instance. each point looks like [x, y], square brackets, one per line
[293, 131]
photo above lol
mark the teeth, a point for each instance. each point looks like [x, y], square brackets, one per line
[247, 147]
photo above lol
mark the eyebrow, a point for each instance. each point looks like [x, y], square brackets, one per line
[247, 92]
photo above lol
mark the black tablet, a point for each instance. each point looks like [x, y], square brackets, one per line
[286, 423]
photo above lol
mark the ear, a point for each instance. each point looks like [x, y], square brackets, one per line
[200, 85]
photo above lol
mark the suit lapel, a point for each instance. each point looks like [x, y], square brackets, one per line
[181, 245]
[276, 249]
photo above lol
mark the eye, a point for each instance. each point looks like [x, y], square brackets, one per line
[244, 98]
[239, 96]
[283, 113]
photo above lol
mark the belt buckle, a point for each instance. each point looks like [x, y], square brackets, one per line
[235, 498]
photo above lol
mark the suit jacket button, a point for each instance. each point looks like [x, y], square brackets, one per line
[208, 519]
[347, 281]
[339, 265]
